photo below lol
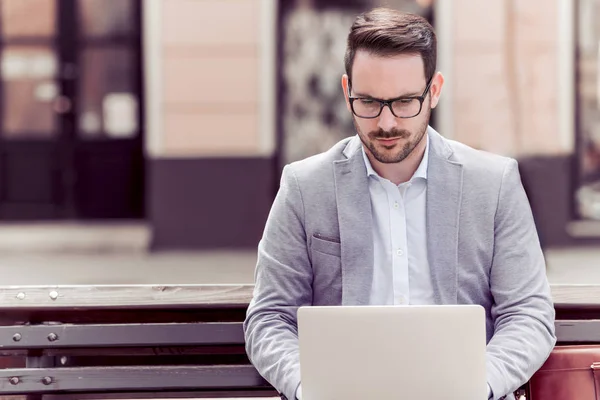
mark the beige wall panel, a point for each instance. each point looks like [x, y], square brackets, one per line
[537, 22]
[505, 76]
[482, 114]
[209, 135]
[214, 54]
[205, 80]
[477, 21]
[211, 22]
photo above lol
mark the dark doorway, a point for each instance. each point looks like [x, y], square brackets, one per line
[71, 117]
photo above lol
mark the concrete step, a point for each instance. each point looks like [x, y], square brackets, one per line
[75, 237]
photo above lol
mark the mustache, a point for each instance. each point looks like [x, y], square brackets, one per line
[393, 134]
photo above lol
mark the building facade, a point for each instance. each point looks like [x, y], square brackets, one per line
[180, 114]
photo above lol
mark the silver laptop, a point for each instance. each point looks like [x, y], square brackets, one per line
[393, 352]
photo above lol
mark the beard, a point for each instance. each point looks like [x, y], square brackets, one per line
[396, 152]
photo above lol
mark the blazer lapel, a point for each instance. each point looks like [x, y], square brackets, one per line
[444, 189]
[354, 218]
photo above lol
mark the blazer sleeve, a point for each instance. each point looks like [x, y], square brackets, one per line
[283, 283]
[523, 311]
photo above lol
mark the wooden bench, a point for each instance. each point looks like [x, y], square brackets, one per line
[127, 342]
[148, 341]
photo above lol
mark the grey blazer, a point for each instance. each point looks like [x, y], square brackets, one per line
[317, 249]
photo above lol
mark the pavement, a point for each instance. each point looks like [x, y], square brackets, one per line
[564, 266]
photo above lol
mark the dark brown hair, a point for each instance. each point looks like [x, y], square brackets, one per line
[386, 32]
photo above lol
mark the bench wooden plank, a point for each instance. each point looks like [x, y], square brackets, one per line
[107, 335]
[576, 295]
[154, 296]
[137, 378]
[123, 296]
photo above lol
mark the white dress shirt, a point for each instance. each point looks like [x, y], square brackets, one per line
[401, 273]
[401, 268]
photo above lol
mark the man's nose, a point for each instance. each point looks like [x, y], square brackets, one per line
[387, 120]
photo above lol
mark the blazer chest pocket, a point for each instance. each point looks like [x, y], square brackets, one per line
[327, 270]
[326, 246]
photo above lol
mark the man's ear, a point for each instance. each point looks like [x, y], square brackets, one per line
[437, 82]
[346, 89]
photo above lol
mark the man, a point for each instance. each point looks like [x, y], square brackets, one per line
[400, 215]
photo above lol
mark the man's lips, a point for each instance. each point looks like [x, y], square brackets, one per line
[388, 140]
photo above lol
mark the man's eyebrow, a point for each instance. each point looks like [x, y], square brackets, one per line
[411, 94]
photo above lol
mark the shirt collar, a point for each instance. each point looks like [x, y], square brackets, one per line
[421, 171]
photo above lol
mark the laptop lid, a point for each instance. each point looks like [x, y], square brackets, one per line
[382, 352]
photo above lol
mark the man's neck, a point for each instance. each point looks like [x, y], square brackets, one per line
[402, 171]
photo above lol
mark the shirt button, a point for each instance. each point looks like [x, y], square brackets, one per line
[399, 252]
[400, 300]
[396, 205]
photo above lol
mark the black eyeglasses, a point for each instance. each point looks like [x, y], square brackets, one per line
[401, 107]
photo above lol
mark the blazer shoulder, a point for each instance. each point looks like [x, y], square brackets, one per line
[479, 162]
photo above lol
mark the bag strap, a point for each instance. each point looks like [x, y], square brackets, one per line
[596, 371]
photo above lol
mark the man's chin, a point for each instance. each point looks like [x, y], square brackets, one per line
[387, 157]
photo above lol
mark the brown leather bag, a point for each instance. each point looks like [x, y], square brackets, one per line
[570, 373]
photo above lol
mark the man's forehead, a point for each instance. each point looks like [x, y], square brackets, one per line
[367, 58]
[388, 76]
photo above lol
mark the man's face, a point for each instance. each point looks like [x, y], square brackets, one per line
[388, 138]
